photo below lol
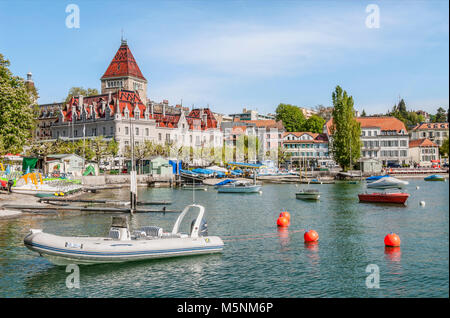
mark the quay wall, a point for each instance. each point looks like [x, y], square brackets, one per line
[122, 179]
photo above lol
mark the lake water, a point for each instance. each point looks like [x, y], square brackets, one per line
[278, 264]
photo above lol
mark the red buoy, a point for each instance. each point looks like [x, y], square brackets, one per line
[392, 239]
[285, 215]
[311, 236]
[283, 221]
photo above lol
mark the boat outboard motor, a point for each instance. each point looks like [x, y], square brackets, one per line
[119, 228]
[203, 231]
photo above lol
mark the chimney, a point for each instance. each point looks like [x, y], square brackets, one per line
[164, 109]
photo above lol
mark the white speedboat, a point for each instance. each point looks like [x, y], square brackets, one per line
[387, 183]
[239, 186]
[308, 194]
[149, 242]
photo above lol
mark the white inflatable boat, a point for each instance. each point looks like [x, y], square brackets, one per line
[147, 243]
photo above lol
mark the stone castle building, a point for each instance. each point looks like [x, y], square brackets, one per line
[123, 112]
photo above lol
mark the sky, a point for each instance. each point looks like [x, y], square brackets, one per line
[231, 55]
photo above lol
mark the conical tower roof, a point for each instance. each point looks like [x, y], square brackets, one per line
[123, 64]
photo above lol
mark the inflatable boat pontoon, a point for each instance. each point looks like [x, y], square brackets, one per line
[147, 243]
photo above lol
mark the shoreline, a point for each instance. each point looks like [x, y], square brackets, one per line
[32, 201]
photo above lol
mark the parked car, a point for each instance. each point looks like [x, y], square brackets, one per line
[393, 165]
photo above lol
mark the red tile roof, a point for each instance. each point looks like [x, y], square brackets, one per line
[425, 142]
[317, 138]
[426, 126]
[384, 123]
[123, 64]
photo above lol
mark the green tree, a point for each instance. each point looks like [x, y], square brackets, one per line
[443, 150]
[99, 147]
[283, 156]
[345, 130]
[16, 110]
[441, 116]
[76, 91]
[314, 124]
[363, 114]
[291, 116]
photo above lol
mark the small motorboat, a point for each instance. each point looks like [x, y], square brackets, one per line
[239, 186]
[375, 178]
[387, 183]
[193, 187]
[383, 197]
[434, 177]
[308, 194]
[149, 242]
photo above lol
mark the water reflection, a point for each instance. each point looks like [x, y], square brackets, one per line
[392, 254]
[283, 238]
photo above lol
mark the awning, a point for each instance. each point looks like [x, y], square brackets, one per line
[245, 165]
[435, 161]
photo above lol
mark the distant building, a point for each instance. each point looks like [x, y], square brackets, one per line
[423, 151]
[250, 115]
[48, 116]
[435, 132]
[424, 114]
[383, 138]
[307, 148]
[308, 112]
[268, 131]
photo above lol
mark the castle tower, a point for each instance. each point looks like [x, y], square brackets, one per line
[124, 73]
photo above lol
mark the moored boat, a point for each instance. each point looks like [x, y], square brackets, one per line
[149, 242]
[377, 197]
[375, 178]
[387, 183]
[239, 186]
[434, 177]
[308, 194]
[193, 187]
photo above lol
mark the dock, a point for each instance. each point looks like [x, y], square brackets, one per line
[84, 209]
[105, 201]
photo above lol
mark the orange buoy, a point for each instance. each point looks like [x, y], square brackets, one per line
[285, 215]
[283, 221]
[392, 239]
[311, 236]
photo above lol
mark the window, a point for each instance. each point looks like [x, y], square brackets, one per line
[104, 131]
[159, 136]
[126, 130]
[137, 131]
[146, 131]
